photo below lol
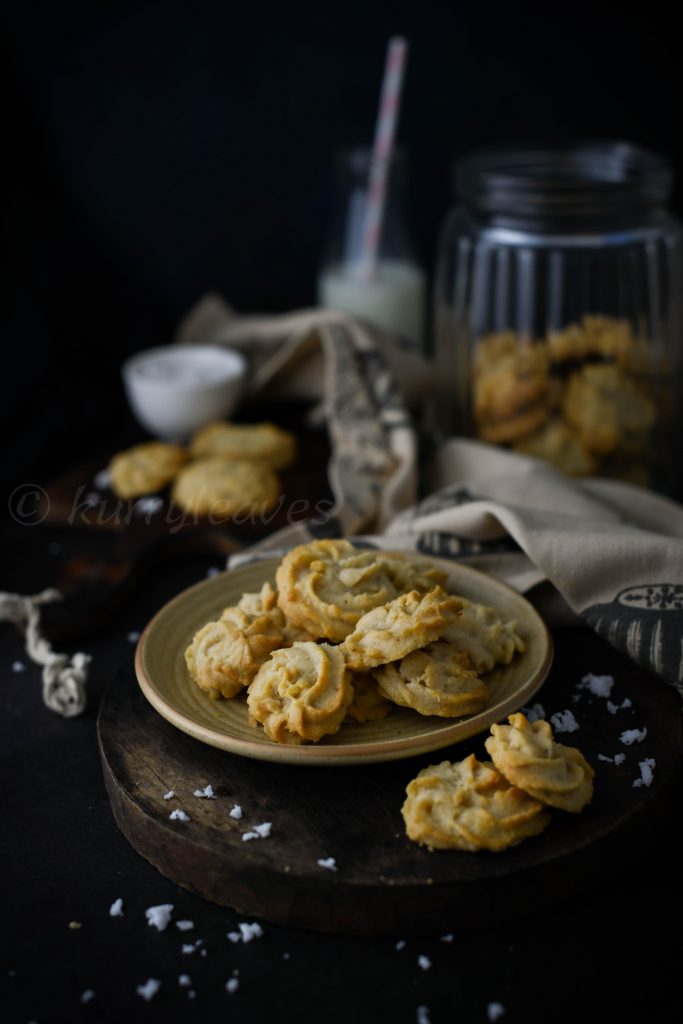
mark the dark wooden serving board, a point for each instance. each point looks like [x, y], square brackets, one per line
[386, 884]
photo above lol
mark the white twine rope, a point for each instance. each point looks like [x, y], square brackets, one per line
[64, 678]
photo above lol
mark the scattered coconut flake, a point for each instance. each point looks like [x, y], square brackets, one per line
[264, 829]
[133, 636]
[613, 708]
[285, 956]
[102, 479]
[564, 721]
[158, 917]
[148, 506]
[327, 862]
[149, 989]
[401, 944]
[87, 995]
[179, 815]
[231, 985]
[184, 925]
[92, 499]
[599, 686]
[235, 936]
[627, 703]
[213, 571]
[236, 812]
[250, 930]
[202, 952]
[205, 794]
[534, 713]
[604, 757]
[423, 1015]
[494, 1011]
[18, 666]
[447, 938]
[191, 994]
[424, 962]
[169, 795]
[184, 980]
[116, 909]
[630, 736]
[187, 948]
[619, 758]
[246, 836]
[646, 773]
[75, 925]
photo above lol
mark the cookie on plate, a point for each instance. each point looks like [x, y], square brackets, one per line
[264, 601]
[469, 806]
[391, 631]
[224, 490]
[485, 635]
[368, 704]
[326, 586]
[301, 694]
[251, 442]
[224, 656]
[437, 680]
[146, 468]
[527, 755]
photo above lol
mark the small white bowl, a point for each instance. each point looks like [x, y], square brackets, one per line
[174, 390]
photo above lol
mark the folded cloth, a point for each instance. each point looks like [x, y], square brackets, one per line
[608, 553]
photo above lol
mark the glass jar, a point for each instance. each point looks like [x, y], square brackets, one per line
[393, 299]
[558, 309]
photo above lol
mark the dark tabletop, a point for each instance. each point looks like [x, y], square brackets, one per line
[603, 956]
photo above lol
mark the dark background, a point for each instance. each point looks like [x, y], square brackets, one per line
[159, 149]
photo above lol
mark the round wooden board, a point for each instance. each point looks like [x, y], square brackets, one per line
[384, 883]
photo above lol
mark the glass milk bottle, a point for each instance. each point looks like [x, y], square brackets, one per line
[393, 298]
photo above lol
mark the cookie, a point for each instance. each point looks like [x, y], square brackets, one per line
[224, 656]
[469, 806]
[326, 586]
[145, 469]
[512, 428]
[605, 337]
[509, 380]
[265, 601]
[607, 410]
[368, 704]
[224, 490]
[437, 680]
[391, 631]
[484, 635]
[561, 446]
[301, 694]
[257, 442]
[408, 573]
[527, 755]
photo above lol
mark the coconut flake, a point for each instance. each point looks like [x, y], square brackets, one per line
[264, 829]
[205, 794]
[236, 812]
[424, 962]
[133, 636]
[619, 758]
[494, 1011]
[184, 980]
[184, 925]
[148, 506]
[423, 1015]
[447, 938]
[234, 936]
[327, 862]
[401, 944]
[630, 736]
[159, 916]
[213, 571]
[116, 909]
[231, 985]
[564, 721]
[534, 713]
[18, 666]
[599, 686]
[250, 930]
[169, 795]
[187, 948]
[179, 815]
[102, 479]
[646, 773]
[149, 989]
[87, 995]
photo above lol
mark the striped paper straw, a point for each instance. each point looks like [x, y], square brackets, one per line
[385, 132]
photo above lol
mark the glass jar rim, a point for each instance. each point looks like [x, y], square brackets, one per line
[591, 179]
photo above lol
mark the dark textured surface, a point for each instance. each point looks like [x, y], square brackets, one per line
[597, 955]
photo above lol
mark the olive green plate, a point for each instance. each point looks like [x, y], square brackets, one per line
[165, 681]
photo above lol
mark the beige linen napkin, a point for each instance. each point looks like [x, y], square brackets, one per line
[606, 552]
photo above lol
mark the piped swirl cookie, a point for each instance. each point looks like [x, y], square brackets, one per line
[146, 468]
[225, 489]
[301, 694]
[435, 681]
[527, 755]
[484, 635]
[252, 442]
[326, 586]
[405, 624]
[469, 806]
[224, 656]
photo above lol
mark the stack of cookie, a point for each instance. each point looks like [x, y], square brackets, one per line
[473, 805]
[579, 399]
[228, 470]
[348, 634]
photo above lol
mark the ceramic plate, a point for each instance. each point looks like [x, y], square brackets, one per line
[165, 681]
